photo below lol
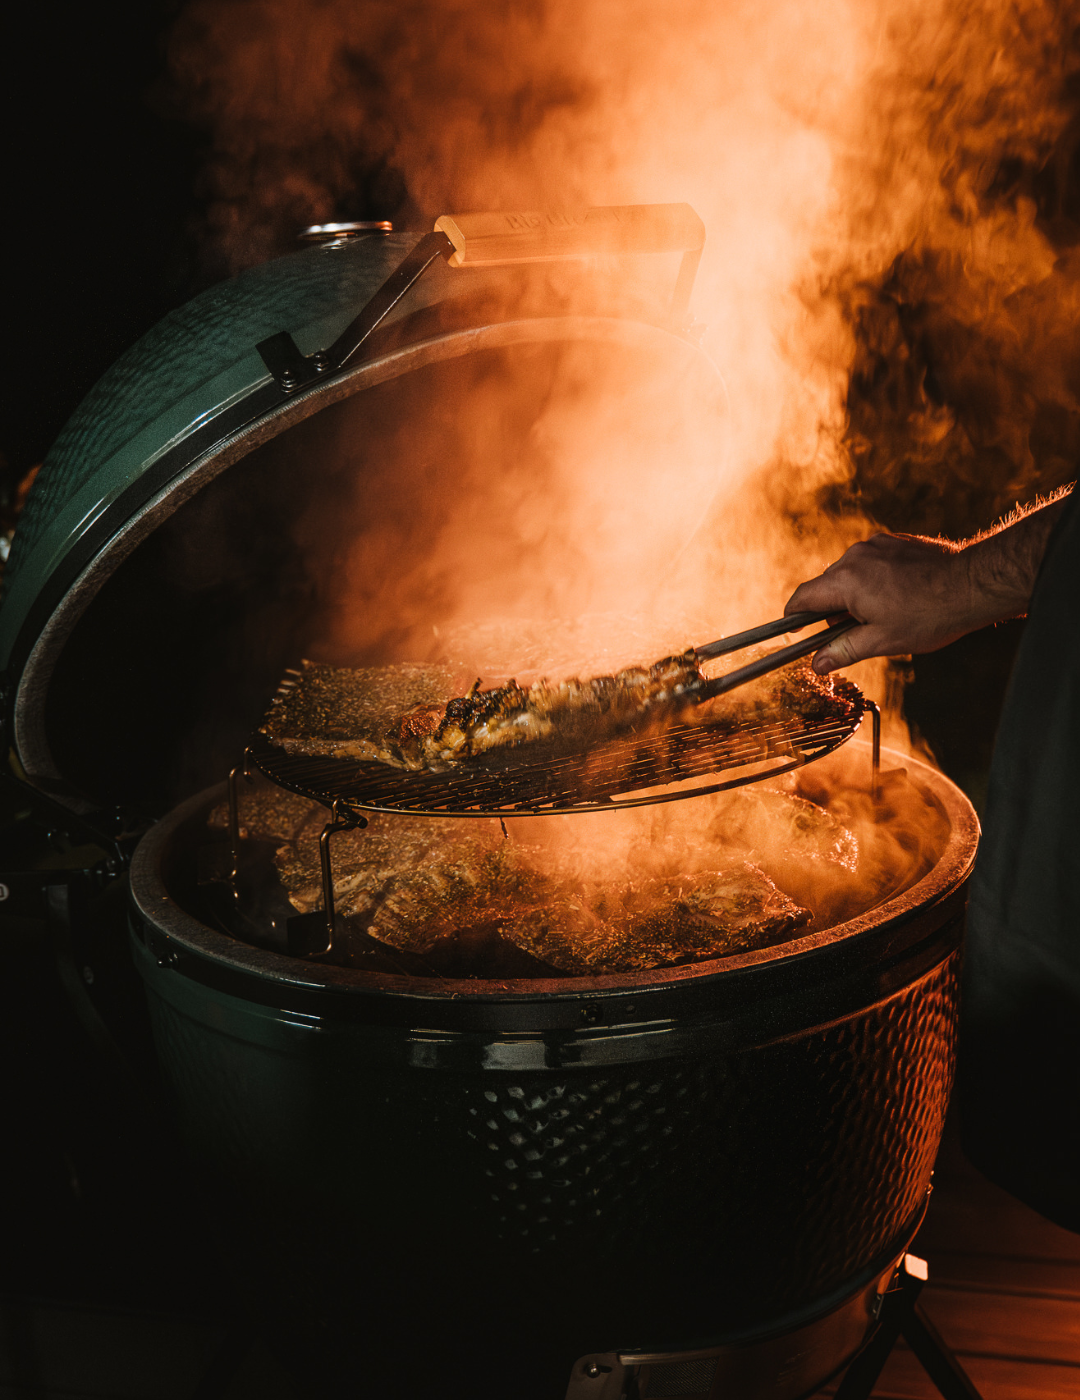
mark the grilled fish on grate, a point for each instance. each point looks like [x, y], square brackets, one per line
[408, 717]
[425, 886]
[356, 713]
[658, 923]
[572, 712]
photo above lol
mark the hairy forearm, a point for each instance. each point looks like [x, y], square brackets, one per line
[912, 594]
[1003, 564]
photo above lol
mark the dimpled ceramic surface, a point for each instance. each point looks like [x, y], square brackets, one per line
[190, 346]
[836, 1173]
[196, 361]
[647, 1201]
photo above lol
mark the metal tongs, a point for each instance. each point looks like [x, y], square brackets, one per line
[795, 623]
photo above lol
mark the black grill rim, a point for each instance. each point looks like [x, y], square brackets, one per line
[866, 956]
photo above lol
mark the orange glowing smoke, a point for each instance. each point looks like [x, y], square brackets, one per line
[888, 287]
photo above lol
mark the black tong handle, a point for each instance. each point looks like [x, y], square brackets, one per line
[794, 623]
[775, 659]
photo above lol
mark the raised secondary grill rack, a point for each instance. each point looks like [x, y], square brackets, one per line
[659, 764]
[629, 771]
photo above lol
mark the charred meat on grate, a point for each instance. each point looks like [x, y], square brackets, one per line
[352, 713]
[659, 923]
[406, 716]
[428, 888]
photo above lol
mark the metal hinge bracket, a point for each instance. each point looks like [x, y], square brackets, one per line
[293, 370]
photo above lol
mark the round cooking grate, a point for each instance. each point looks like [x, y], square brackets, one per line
[630, 771]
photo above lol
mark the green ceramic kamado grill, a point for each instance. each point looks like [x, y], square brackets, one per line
[693, 1181]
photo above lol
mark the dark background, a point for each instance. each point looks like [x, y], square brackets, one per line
[102, 205]
[102, 212]
[109, 1281]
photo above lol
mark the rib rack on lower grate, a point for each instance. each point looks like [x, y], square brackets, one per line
[660, 765]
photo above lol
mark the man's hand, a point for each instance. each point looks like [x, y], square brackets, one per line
[913, 594]
[910, 594]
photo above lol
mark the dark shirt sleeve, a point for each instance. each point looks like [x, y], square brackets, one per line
[1020, 1028]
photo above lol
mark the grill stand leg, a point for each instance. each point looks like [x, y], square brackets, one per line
[901, 1316]
[312, 935]
[234, 821]
[875, 753]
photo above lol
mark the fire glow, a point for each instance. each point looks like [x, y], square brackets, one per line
[881, 290]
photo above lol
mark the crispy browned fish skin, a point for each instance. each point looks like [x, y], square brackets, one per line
[570, 713]
[403, 716]
[357, 713]
[368, 863]
[712, 914]
[410, 881]
[795, 691]
[407, 715]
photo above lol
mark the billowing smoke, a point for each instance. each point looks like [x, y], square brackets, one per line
[963, 282]
[890, 282]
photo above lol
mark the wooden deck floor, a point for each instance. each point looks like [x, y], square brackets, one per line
[1004, 1292]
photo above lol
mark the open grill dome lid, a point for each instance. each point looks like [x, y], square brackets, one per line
[131, 671]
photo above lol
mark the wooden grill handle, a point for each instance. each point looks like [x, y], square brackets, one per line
[531, 236]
